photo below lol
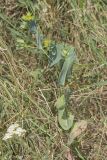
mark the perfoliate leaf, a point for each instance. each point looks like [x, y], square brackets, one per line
[52, 53]
[79, 128]
[65, 53]
[67, 66]
[32, 26]
[65, 119]
[57, 54]
[60, 103]
[39, 38]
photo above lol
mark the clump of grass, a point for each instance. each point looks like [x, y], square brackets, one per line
[29, 100]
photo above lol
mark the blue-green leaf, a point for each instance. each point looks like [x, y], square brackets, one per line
[65, 119]
[32, 26]
[69, 60]
[39, 38]
[58, 54]
[61, 102]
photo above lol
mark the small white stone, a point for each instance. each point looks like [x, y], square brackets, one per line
[19, 131]
[14, 129]
[7, 136]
